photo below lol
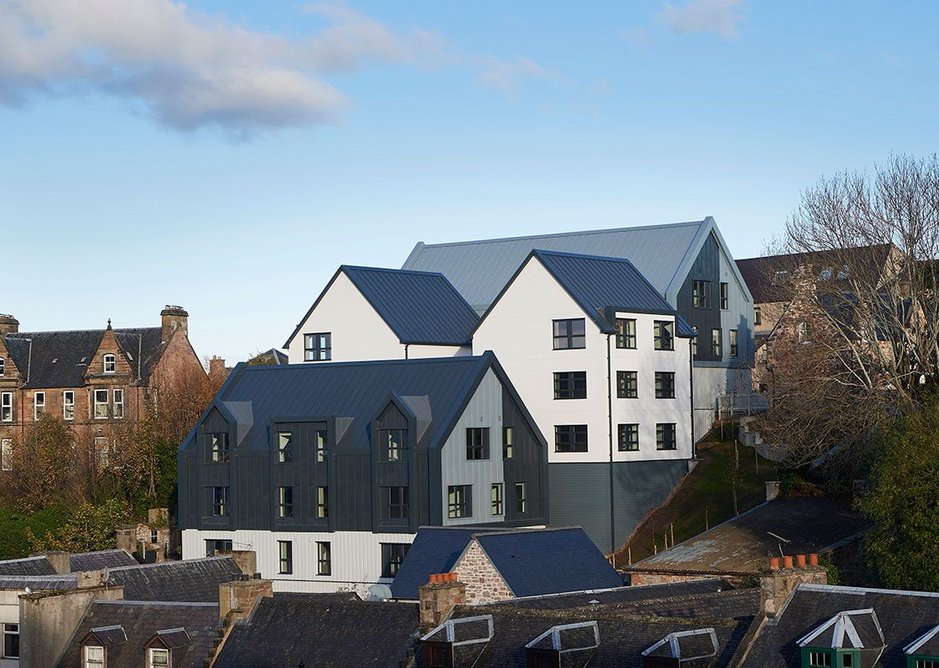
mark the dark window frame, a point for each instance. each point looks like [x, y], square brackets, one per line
[477, 444]
[626, 333]
[570, 438]
[508, 442]
[717, 343]
[324, 558]
[566, 336]
[459, 501]
[322, 502]
[284, 502]
[284, 449]
[663, 335]
[219, 452]
[220, 501]
[392, 556]
[725, 296]
[521, 498]
[285, 557]
[627, 384]
[393, 450]
[733, 340]
[217, 545]
[664, 384]
[396, 502]
[320, 439]
[314, 349]
[498, 499]
[570, 385]
[666, 436]
[627, 437]
[701, 293]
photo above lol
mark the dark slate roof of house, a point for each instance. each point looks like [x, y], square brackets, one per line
[322, 630]
[140, 622]
[434, 550]
[60, 359]
[39, 582]
[38, 565]
[356, 390]
[623, 595]
[744, 544]
[94, 561]
[420, 307]
[903, 616]
[188, 580]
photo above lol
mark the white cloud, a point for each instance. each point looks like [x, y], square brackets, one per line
[717, 16]
[189, 69]
[504, 75]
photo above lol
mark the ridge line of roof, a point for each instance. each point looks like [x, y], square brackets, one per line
[350, 363]
[199, 604]
[26, 335]
[392, 270]
[170, 563]
[865, 590]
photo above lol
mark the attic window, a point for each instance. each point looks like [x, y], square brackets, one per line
[565, 639]
[110, 364]
[839, 642]
[157, 657]
[92, 656]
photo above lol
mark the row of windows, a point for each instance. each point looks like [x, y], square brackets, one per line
[95, 656]
[108, 364]
[460, 500]
[571, 333]
[106, 404]
[573, 437]
[573, 384]
[701, 295]
[717, 343]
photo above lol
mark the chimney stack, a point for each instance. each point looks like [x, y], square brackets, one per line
[777, 584]
[174, 318]
[60, 561]
[8, 324]
[216, 367]
[438, 597]
[237, 599]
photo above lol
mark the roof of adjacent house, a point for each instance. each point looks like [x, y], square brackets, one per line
[903, 617]
[93, 561]
[480, 269]
[139, 622]
[37, 565]
[624, 595]
[188, 580]
[61, 359]
[420, 307]
[437, 388]
[743, 544]
[322, 630]
[39, 582]
[531, 561]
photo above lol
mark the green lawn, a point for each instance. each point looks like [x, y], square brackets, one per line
[13, 525]
[705, 497]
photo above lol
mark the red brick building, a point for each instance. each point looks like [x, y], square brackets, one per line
[94, 380]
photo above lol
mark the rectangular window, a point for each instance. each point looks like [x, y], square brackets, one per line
[627, 384]
[628, 437]
[700, 297]
[757, 315]
[459, 501]
[664, 335]
[3, 366]
[110, 364]
[927, 663]
[220, 501]
[317, 347]
[118, 404]
[68, 405]
[717, 347]
[159, 658]
[570, 438]
[664, 384]
[101, 404]
[694, 346]
[284, 557]
[319, 437]
[625, 333]
[569, 334]
[322, 503]
[734, 350]
[11, 641]
[395, 503]
[284, 447]
[477, 443]
[497, 499]
[392, 556]
[285, 502]
[392, 444]
[214, 545]
[6, 454]
[6, 407]
[570, 384]
[665, 436]
[725, 296]
[508, 443]
[39, 404]
[521, 502]
[324, 564]
[103, 451]
[94, 656]
[819, 660]
[218, 447]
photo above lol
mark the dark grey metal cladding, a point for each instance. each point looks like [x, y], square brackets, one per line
[303, 473]
[397, 473]
[213, 474]
[706, 267]
[527, 465]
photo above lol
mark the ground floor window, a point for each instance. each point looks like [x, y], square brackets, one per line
[11, 641]
[284, 557]
[392, 556]
[214, 545]
[324, 559]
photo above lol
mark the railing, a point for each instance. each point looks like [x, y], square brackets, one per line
[737, 404]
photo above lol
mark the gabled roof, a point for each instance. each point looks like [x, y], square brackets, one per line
[190, 580]
[130, 625]
[322, 630]
[625, 596]
[433, 550]
[479, 269]
[420, 307]
[854, 629]
[61, 358]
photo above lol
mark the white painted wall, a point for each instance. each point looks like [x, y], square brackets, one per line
[519, 330]
[356, 556]
[416, 351]
[9, 614]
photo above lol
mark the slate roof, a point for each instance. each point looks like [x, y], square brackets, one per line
[624, 596]
[61, 358]
[903, 617]
[188, 580]
[94, 561]
[139, 622]
[433, 550]
[744, 544]
[38, 565]
[420, 307]
[39, 582]
[322, 630]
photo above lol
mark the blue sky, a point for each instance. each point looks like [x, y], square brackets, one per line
[228, 156]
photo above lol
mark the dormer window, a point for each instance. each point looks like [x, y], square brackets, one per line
[110, 363]
[95, 644]
[843, 640]
[392, 444]
[924, 651]
[575, 643]
[157, 657]
[93, 656]
[218, 447]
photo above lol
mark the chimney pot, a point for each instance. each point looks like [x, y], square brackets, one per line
[813, 559]
[800, 560]
[787, 562]
[774, 563]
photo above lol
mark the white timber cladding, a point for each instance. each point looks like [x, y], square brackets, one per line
[519, 330]
[356, 556]
[356, 330]
[483, 411]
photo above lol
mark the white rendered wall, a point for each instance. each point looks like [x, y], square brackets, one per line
[355, 556]
[9, 614]
[519, 330]
[416, 351]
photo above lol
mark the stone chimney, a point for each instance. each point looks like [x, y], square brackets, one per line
[216, 367]
[246, 559]
[438, 597]
[784, 576]
[238, 598]
[61, 561]
[8, 324]
[174, 318]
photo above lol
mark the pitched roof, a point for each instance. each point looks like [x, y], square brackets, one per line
[903, 617]
[61, 358]
[322, 630]
[744, 544]
[479, 269]
[433, 550]
[139, 622]
[37, 565]
[188, 580]
[39, 582]
[93, 561]
[420, 307]
[624, 595]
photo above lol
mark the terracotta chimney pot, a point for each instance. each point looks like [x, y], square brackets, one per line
[813, 559]
[787, 562]
[774, 564]
[800, 560]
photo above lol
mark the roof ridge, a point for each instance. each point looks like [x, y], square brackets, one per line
[392, 270]
[865, 590]
[412, 361]
[121, 601]
[586, 256]
[171, 562]
[25, 335]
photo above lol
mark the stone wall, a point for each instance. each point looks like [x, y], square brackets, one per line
[484, 584]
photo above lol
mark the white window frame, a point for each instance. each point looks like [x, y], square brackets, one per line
[151, 654]
[96, 661]
[68, 402]
[6, 454]
[37, 404]
[109, 363]
[96, 403]
[117, 403]
[6, 407]
[3, 366]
